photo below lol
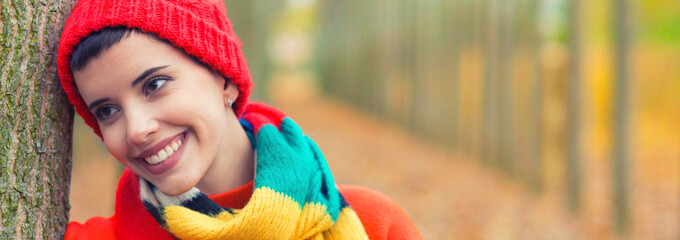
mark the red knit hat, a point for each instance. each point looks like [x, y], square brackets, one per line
[199, 27]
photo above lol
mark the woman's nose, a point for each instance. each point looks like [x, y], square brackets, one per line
[141, 125]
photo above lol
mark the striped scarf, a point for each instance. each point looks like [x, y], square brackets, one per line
[294, 195]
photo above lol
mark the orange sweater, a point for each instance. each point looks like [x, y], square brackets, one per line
[381, 216]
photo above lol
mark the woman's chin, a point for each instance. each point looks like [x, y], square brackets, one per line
[174, 190]
[172, 185]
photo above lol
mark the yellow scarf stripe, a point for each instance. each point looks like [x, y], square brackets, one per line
[348, 226]
[272, 215]
[313, 219]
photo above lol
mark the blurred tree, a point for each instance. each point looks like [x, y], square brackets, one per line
[490, 130]
[535, 123]
[36, 122]
[451, 56]
[506, 137]
[621, 119]
[574, 126]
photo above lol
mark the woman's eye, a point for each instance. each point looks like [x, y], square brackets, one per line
[105, 112]
[154, 84]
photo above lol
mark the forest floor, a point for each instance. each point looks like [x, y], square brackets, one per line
[447, 195]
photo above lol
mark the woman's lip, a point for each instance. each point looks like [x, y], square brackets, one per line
[168, 163]
[160, 145]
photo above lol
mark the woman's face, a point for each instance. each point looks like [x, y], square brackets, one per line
[161, 114]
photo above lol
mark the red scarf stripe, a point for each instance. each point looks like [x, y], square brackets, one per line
[259, 114]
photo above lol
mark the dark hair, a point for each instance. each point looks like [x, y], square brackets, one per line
[95, 43]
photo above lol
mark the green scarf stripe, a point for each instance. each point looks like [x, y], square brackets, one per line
[333, 197]
[305, 166]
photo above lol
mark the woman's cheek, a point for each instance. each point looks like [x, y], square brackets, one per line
[114, 142]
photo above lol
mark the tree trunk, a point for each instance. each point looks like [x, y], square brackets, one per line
[35, 121]
[506, 141]
[574, 126]
[621, 121]
[535, 119]
[489, 130]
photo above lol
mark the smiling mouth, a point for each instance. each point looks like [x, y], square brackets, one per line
[164, 153]
[172, 145]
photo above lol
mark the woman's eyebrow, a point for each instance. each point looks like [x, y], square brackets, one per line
[97, 103]
[146, 74]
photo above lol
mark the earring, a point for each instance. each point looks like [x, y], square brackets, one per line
[229, 101]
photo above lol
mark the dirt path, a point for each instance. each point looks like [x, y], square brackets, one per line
[447, 196]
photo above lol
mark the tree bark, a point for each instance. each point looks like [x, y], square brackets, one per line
[35, 121]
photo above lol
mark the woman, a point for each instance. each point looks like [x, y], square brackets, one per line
[165, 85]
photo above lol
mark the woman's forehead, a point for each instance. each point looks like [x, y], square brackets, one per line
[124, 62]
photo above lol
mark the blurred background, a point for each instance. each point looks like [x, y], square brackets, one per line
[484, 119]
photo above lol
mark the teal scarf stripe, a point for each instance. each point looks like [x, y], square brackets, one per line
[286, 148]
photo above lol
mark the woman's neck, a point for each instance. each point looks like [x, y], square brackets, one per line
[235, 164]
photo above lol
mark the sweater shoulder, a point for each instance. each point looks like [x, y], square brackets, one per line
[381, 216]
[100, 228]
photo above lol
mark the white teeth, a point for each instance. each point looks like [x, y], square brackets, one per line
[169, 150]
[164, 153]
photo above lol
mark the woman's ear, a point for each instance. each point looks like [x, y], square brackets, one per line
[229, 89]
[229, 93]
